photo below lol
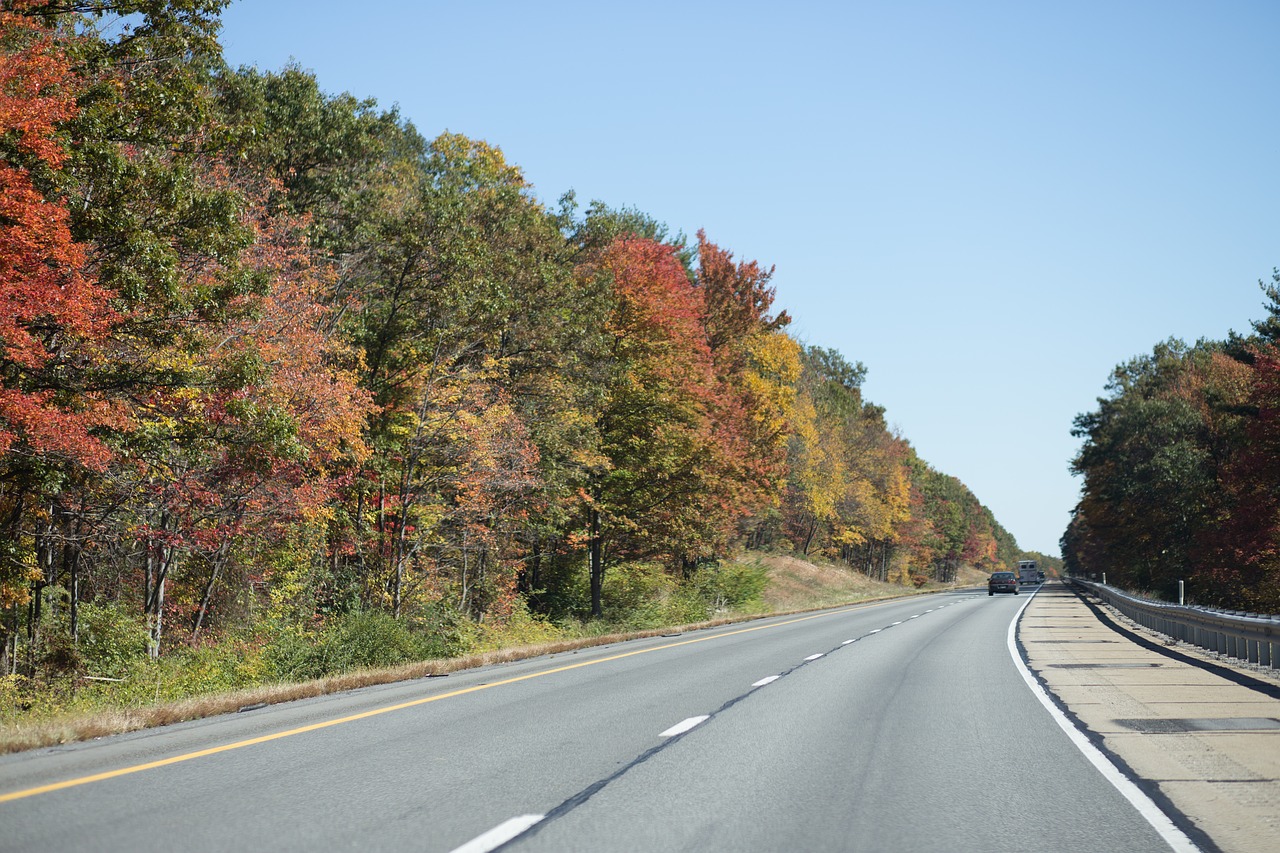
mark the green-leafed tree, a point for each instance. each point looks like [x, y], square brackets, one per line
[1149, 463]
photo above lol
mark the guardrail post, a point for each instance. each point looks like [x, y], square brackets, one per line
[1182, 598]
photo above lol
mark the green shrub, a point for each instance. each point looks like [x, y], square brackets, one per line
[731, 586]
[521, 628]
[636, 595]
[208, 669]
[113, 640]
[365, 639]
[21, 697]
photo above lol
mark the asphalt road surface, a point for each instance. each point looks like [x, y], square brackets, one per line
[898, 726]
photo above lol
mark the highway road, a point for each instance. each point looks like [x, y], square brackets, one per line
[903, 725]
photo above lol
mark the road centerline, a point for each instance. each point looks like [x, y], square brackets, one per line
[324, 724]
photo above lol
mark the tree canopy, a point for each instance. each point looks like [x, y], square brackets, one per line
[270, 358]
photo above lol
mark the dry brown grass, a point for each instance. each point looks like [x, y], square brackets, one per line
[794, 586]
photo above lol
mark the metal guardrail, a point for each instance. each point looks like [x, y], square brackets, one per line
[1248, 636]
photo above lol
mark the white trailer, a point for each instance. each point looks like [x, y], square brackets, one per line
[1028, 572]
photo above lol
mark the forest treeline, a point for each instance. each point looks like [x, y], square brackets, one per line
[272, 363]
[1181, 468]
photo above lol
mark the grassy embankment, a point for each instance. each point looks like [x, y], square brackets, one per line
[791, 585]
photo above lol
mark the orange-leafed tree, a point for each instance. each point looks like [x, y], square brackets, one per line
[287, 427]
[756, 370]
[53, 315]
[656, 421]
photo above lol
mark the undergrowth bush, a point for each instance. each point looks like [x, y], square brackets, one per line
[113, 640]
[521, 628]
[366, 639]
[110, 668]
[633, 594]
[731, 586]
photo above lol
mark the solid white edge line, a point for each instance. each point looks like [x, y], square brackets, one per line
[684, 726]
[814, 657]
[766, 680]
[1160, 822]
[499, 835]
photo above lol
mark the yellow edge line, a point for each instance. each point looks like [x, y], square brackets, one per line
[151, 765]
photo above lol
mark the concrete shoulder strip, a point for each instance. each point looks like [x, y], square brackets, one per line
[1174, 837]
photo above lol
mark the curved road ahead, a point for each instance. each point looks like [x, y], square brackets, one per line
[897, 726]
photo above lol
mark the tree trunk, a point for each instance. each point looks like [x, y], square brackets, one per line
[597, 565]
[159, 559]
[9, 642]
[71, 559]
[808, 539]
[219, 560]
[462, 600]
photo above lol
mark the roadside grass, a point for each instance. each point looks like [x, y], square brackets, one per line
[792, 586]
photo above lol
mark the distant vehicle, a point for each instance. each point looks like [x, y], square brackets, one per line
[1002, 582]
[1028, 573]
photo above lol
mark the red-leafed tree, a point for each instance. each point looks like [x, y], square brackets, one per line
[1240, 565]
[755, 379]
[247, 457]
[738, 299]
[656, 423]
[51, 313]
[291, 430]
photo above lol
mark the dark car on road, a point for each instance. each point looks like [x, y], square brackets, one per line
[1002, 582]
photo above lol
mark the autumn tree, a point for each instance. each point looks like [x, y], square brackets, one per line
[655, 421]
[53, 315]
[756, 369]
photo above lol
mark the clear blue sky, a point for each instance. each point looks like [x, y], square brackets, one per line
[989, 204]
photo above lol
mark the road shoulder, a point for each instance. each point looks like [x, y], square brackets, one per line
[1199, 737]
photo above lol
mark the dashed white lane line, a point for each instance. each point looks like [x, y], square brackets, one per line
[504, 832]
[499, 835]
[684, 726]
[894, 623]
